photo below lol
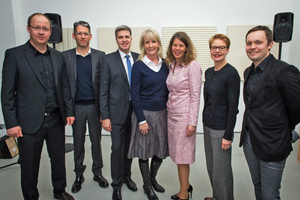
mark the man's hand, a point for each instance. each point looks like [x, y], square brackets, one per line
[70, 120]
[106, 124]
[143, 128]
[15, 132]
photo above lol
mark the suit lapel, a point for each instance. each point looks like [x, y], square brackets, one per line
[260, 83]
[32, 62]
[120, 65]
[73, 63]
[94, 64]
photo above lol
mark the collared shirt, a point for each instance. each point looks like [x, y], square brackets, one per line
[88, 53]
[122, 54]
[151, 64]
[153, 67]
[254, 77]
[46, 70]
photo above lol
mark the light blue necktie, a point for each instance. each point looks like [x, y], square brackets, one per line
[128, 68]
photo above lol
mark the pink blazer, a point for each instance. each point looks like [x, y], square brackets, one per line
[184, 90]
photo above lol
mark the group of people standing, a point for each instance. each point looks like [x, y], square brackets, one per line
[150, 105]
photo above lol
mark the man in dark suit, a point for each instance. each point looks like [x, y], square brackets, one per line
[83, 65]
[272, 100]
[116, 108]
[36, 104]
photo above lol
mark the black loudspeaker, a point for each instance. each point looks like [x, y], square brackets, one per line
[56, 34]
[283, 27]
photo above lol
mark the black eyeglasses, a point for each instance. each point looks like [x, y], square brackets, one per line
[37, 28]
[221, 48]
[79, 34]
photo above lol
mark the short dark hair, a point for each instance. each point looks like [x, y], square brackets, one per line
[122, 28]
[221, 37]
[82, 23]
[41, 14]
[266, 29]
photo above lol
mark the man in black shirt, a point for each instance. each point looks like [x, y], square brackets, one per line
[36, 104]
[272, 100]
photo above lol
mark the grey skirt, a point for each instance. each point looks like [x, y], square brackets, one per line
[153, 143]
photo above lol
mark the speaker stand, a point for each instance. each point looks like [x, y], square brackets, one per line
[279, 51]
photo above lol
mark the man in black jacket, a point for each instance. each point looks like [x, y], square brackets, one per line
[272, 100]
[83, 65]
[36, 104]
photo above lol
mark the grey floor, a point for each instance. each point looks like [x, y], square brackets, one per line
[243, 189]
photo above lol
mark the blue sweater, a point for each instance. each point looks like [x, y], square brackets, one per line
[148, 89]
[84, 91]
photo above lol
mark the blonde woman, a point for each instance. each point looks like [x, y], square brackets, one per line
[149, 120]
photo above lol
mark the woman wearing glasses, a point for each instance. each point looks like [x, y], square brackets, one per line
[221, 98]
[184, 85]
[149, 96]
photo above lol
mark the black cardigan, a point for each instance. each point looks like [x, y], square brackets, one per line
[221, 99]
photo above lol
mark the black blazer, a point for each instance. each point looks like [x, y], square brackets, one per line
[273, 111]
[70, 59]
[23, 93]
[114, 88]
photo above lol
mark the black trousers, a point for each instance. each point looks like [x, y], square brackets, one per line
[120, 164]
[53, 132]
[87, 114]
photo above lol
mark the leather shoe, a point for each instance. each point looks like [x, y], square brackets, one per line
[63, 196]
[102, 181]
[117, 194]
[208, 198]
[76, 187]
[130, 184]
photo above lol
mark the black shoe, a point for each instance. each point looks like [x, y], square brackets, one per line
[130, 184]
[117, 194]
[177, 198]
[63, 196]
[150, 193]
[157, 187]
[102, 181]
[76, 187]
[190, 191]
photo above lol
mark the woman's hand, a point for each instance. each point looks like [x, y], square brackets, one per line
[190, 130]
[226, 144]
[144, 128]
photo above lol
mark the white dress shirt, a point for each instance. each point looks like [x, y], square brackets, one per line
[122, 54]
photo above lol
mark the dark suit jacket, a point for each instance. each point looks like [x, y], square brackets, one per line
[70, 59]
[114, 88]
[23, 93]
[273, 111]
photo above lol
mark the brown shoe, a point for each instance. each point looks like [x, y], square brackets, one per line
[63, 196]
[208, 198]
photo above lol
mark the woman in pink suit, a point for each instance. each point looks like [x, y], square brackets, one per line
[184, 85]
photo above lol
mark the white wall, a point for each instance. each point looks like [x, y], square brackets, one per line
[156, 14]
[7, 38]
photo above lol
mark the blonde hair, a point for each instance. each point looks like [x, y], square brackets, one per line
[152, 35]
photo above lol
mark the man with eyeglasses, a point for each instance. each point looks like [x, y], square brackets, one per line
[116, 108]
[36, 104]
[272, 110]
[83, 65]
